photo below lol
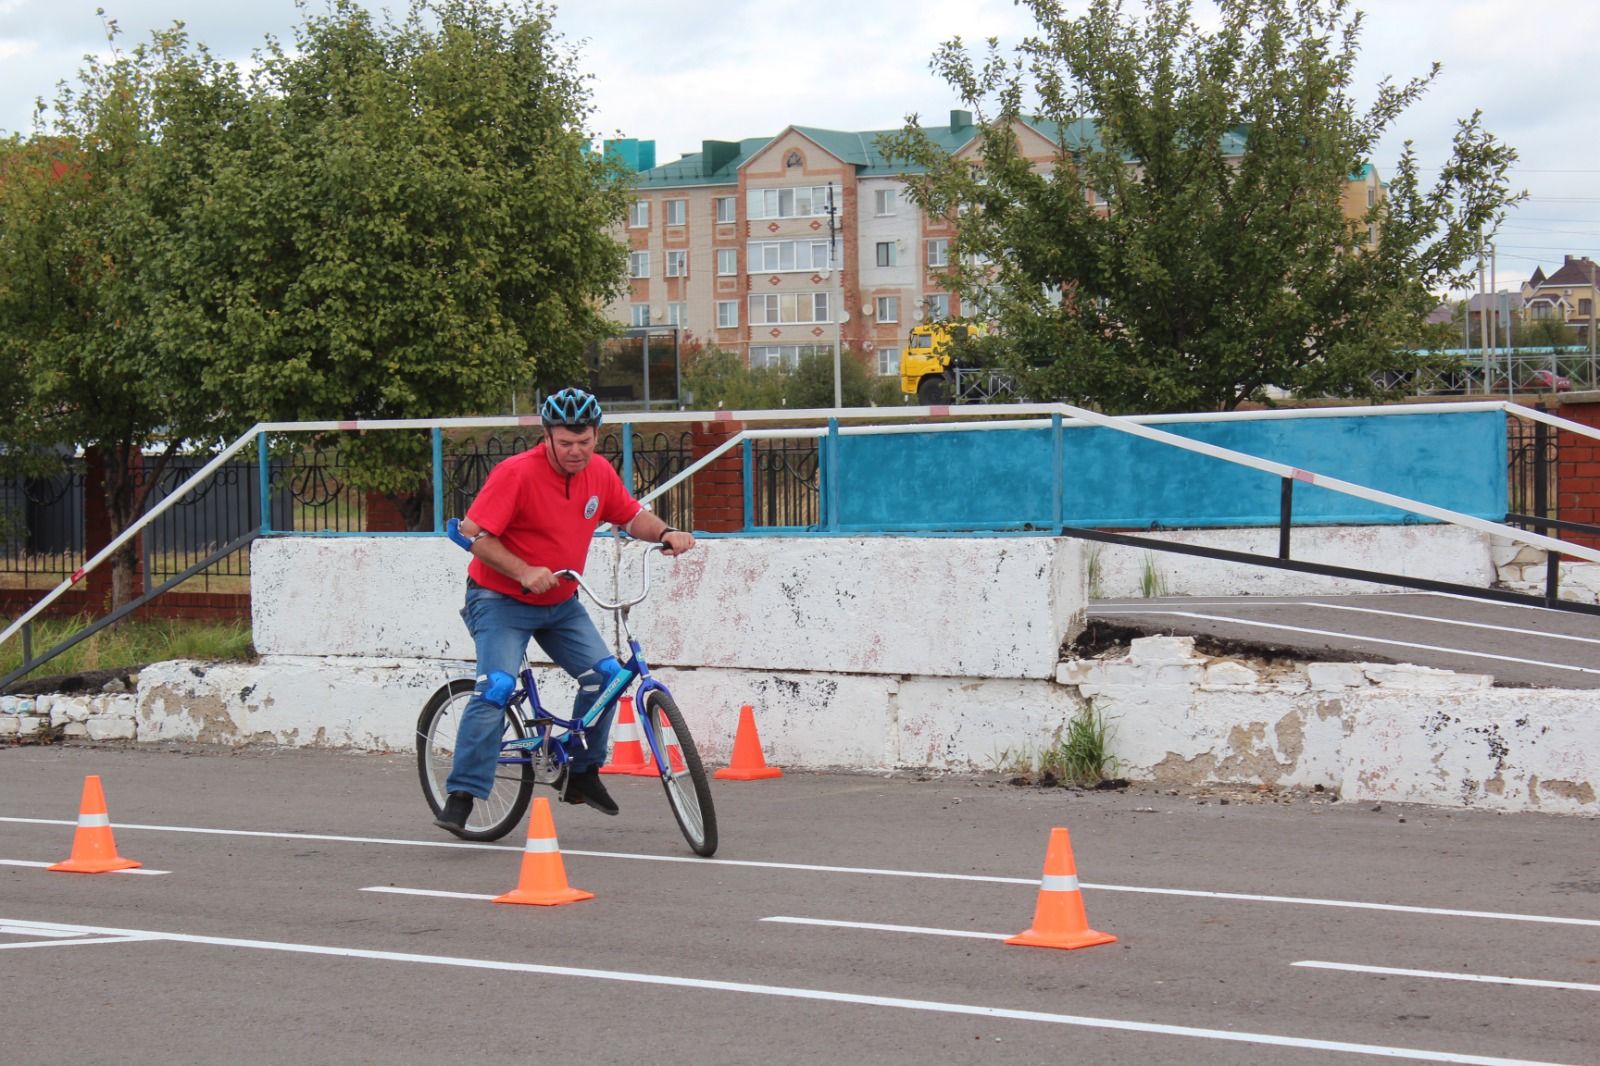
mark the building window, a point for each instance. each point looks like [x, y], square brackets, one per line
[778, 308]
[765, 256]
[886, 253]
[726, 208]
[677, 210]
[677, 264]
[638, 264]
[938, 305]
[1585, 308]
[888, 361]
[677, 314]
[939, 252]
[727, 314]
[884, 201]
[727, 261]
[785, 356]
[641, 315]
[639, 214]
[888, 309]
[803, 202]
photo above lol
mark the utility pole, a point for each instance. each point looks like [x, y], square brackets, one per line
[838, 311]
[1494, 287]
[1483, 308]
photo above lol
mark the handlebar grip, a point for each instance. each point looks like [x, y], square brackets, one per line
[452, 529]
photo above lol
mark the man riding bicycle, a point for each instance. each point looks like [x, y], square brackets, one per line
[535, 515]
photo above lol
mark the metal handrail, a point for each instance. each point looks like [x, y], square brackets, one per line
[1140, 426]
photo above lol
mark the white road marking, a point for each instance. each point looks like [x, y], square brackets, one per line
[1242, 897]
[1445, 975]
[816, 995]
[882, 928]
[1540, 633]
[47, 865]
[19, 931]
[1252, 624]
[1126, 608]
[393, 891]
[63, 943]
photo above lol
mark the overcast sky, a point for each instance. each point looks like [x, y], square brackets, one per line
[688, 70]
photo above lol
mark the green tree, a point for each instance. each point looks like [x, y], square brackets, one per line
[1187, 247]
[810, 383]
[407, 223]
[718, 378]
[1545, 333]
[84, 205]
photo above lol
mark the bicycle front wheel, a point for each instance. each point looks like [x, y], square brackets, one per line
[684, 777]
[491, 818]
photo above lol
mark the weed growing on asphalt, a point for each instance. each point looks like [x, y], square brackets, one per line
[1082, 756]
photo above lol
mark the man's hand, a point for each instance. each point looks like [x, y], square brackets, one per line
[677, 541]
[539, 579]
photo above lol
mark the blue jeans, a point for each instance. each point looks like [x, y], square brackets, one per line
[501, 628]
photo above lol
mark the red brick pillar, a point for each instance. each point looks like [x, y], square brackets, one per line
[382, 515]
[96, 525]
[1578, 472]
[718, 488]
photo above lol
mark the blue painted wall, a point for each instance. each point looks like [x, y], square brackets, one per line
[1004, 479]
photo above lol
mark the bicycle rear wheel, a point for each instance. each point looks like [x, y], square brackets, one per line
[684, 778]
[491, 818]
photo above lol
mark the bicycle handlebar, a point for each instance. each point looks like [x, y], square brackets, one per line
[644, 585]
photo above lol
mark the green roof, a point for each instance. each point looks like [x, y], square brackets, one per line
[693, 169]
[721, 165]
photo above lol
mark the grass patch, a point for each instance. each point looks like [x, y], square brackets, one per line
[1151, 581]
[129, 643]
[1083, 756]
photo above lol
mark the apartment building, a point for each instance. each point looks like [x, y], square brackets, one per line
[778, 247]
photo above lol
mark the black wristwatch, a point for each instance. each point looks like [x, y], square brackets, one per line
[663, 538]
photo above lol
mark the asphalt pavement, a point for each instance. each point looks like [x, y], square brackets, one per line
[846, 918]
[1524, 646]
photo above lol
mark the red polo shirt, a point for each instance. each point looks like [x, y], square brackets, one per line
[546, 517]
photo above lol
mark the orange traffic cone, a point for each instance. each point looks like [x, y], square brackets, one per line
[1059, 920]
[94, 850]
[544, 877]
[627, 753]
[748, 764]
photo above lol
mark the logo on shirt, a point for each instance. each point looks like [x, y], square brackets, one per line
[591, 507]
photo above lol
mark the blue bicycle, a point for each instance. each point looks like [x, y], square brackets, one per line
[534, 742]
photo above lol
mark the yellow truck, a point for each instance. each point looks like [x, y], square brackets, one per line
[925, 370]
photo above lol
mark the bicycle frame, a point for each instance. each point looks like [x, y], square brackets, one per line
[543, 724]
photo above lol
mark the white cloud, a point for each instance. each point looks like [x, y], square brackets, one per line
[691, 70]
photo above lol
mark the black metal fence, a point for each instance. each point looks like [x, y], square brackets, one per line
[42, 519]
[1532, 461]
[785, 488]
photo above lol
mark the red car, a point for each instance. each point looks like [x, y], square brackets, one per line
[1550, 381]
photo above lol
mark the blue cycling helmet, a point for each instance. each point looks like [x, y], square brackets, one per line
[572, 408]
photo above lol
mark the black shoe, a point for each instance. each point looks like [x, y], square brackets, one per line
[585, 787]
[457, 809]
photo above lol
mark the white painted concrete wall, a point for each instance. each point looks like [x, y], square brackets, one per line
[883, 653]
[978, 607]
[1371, 731]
